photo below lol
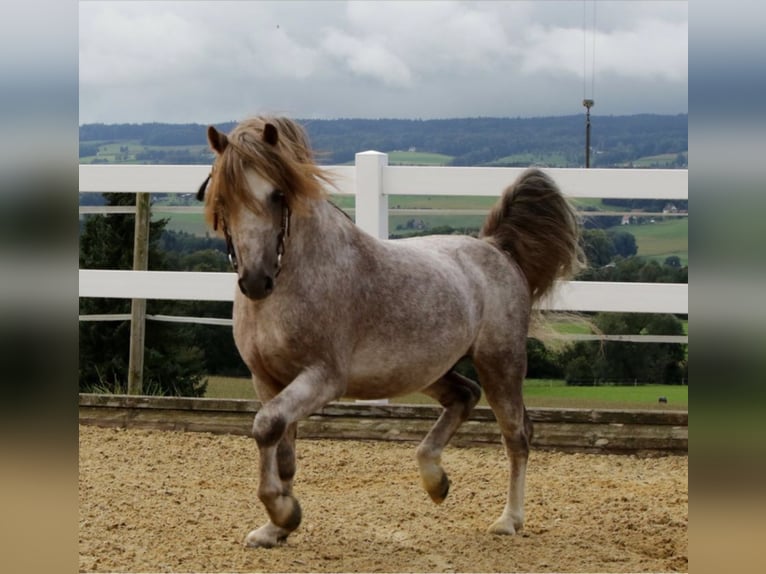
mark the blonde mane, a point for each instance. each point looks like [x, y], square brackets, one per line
[288, 164]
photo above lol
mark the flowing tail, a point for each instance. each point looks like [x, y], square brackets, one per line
[537, 226]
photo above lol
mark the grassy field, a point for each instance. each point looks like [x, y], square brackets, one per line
[537, 393]
[417, 158]
[658, 161]
[662, 239]
[655, 240]
[440, 202]
[193, 223]
[528, 159]
[114, 152]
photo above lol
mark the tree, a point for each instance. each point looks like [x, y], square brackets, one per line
[598, 247]
[625, 363]
[673, 261]
[542, 363]
[579, 371]
[624, 243]
[172, 363]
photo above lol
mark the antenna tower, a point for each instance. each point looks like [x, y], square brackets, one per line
[588, 102]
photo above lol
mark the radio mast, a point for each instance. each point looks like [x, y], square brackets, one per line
[588, 101]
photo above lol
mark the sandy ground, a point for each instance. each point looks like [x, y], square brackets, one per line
[154, 501]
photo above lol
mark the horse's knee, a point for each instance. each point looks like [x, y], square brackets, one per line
[268, 428]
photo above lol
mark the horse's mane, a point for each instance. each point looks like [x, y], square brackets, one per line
[288, 164]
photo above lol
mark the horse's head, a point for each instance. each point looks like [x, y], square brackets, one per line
[262, 173]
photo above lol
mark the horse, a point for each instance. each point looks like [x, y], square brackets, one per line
[325, 310]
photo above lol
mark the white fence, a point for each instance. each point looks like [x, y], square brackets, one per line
[372, 181]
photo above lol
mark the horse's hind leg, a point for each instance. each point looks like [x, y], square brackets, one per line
[458, 395]
[502, 381]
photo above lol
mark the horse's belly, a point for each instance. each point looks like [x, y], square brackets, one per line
[377, 377]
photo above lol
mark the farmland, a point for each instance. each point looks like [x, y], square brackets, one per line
[657, 240]
[662, 239]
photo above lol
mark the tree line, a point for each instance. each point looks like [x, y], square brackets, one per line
[470, 141]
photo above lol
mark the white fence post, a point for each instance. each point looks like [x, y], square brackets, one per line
[371, 201]
[371, 205]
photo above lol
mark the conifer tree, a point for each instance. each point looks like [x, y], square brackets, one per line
[173, 365]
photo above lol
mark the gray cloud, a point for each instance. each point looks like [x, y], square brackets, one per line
[216, 61]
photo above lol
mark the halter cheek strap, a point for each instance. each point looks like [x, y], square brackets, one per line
[229, 245]
[284, 233]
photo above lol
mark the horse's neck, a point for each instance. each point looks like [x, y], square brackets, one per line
[326, 232]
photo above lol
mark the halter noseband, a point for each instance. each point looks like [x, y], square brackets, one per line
[284, 230]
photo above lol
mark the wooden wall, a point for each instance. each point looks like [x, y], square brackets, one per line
[608, 431]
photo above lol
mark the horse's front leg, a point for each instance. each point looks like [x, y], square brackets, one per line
[273, 429]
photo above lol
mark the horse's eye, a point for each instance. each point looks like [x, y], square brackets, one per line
[277, 196]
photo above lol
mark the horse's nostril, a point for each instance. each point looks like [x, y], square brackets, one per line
[255, 285]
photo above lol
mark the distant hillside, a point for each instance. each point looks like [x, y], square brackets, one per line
[552, 141]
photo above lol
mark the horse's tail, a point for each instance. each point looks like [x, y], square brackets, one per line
[539, 228]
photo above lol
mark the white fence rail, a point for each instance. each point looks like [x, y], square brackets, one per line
[372, 181]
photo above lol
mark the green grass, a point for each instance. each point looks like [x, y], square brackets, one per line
[528, 159]
[417, 158]
[110, 151]
[440, 202]
[537, 393]
[661, 160]
[555, 394]
[662, 239]
[193, 223]
[571, 326]
[463, 223]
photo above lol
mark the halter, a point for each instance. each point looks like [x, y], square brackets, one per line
[284, 230]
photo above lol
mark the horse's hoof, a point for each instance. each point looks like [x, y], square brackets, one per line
[505, 526]
[267, 536]
[441, 491]
[501, 529]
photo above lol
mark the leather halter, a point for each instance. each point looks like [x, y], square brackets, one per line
[284, 231]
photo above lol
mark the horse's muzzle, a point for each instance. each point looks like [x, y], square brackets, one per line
[255, 285]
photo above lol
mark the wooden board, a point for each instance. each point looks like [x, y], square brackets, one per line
[585, 430]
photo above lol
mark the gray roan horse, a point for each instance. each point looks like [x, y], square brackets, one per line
[325, 310]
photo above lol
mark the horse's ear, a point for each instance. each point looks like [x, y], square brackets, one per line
[217, 140]
[270, 134]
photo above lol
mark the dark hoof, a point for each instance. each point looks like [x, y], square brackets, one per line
[442, 491]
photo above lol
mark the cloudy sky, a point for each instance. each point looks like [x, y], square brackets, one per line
[218, 61]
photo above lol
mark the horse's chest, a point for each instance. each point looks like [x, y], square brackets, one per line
[273, 347]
